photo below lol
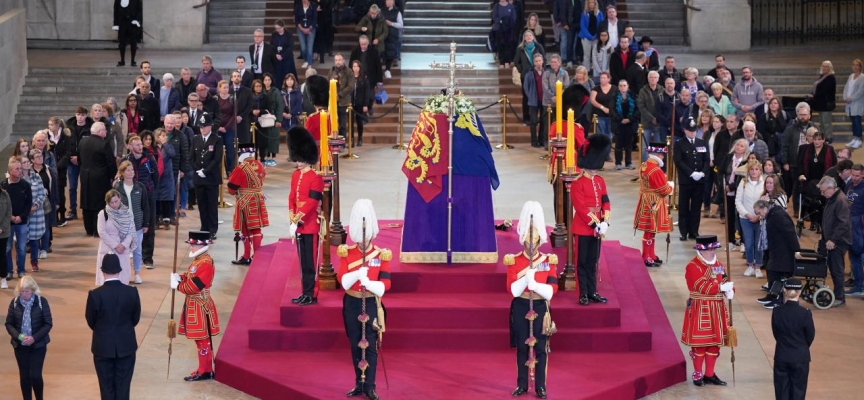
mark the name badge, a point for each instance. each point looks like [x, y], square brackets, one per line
[375, 262]
[279, 49]
[210, 148]
[543, 267]
[701, 149]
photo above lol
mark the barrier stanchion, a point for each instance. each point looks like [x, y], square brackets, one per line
[222, 202]
[504, 145]
[640, 140]
[350, 122]
[594, 124]
[401, 145]
[548, 155]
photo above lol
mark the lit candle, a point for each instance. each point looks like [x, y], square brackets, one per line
[324, 147]
[559, 88]
[334, 114]
[571, 140]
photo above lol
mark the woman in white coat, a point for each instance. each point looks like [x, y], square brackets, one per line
[853, 95]
[117, 235]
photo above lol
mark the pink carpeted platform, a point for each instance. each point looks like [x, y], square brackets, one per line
[447, 334]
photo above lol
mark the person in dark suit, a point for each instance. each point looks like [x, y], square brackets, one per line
[262, 55]
[691, 162]
[243, 102]
[612, 19]
[637, 74]
[98, 167]
[794, 331]
[246, 76]
[127, 23]
[370, 60]
[148, 102]
[112, 312]
[207, 151]
[155, 84]
[621, 60]
[783, 242]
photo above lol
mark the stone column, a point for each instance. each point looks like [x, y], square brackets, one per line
[13, 63]
[720, 26]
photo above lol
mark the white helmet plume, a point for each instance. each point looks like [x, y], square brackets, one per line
[531, 208]
[363, 209]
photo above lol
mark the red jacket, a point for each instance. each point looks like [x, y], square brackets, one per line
[590, 203]
[546, 269]
[307, 190]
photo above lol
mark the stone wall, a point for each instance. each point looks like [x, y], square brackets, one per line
[722, 25]
[173, 24]
[13, 63]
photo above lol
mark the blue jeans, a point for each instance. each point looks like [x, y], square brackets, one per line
[73, 171]
[19, 233]
[137, 259]
[306, 43]
[856, 125]
[604, 126]
[228, 139]
[34, 251]
[184, 191]
[568, 44]
[751, 237]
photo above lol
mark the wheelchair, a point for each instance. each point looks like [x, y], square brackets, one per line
[812, 269]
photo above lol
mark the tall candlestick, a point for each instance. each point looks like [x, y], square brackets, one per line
[571, 140]
[324, 147]
[559, 104]
[334, 114]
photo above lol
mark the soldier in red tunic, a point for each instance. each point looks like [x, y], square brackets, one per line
[365, 276]
[319, 91]
[591, 215]
[198, 321]
[652, 212]
[532, 279]
[250, 213]
[706, 319]
[304, 199]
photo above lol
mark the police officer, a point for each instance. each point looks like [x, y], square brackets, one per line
[691, 161]
[794, 331]
[207, 152]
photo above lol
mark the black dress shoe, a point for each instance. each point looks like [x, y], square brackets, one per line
[698, 382]
[658, 261]
[134, 64]
[714, 380]
[212, 236]
[692, 236]
[121, 64]
[371, 394]
[597, 298]
[683, 238]
[541, 393]
[359, 142]
[354, 392]
[200, 377]
[519, 391]
[298, 299]
[308, 301]
[242, 261]
[583, 300]
[650, 264]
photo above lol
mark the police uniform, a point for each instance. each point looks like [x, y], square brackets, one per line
[250, 212]
[652, 212]
[691, 157]
[199, 320]
[706, 318]
[207, 153]
[592, 213]
[794, 331]
[307, 191]
[354, 268]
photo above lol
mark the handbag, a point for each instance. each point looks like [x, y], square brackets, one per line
[267, 120]
[46, 207]
[380, 95]
[517, 77]
[549, 327]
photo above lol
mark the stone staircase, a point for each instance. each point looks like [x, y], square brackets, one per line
[663, 20]
[430, 26]
[231, 23]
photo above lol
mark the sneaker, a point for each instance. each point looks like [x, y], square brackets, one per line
[273, 162]
[630, 167]
[617, 167]
[138, 279]
[305, 65]
[34, 266]
[570, 64]
[43, 254]
[766, 299]
[387, 74]
[749, 272]
[839, 303]
[742, 248]
[62, 224]
[148, 264]
[759, 273]
[731, 246]
[71, 215]
[765, 288]
[4, 284]
[855, 293]
[771, 305]
[20, 275]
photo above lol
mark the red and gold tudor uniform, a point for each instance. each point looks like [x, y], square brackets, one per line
[250, 212]
[307, 191]
[517, 266]
[199, 320]
[652, 212]
[706, 319]
[378, 263]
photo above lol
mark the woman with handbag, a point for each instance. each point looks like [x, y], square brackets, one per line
[260, 105]
[274, 105]
[362, 98]
[49, 181]
[823, 98]
[28, 322]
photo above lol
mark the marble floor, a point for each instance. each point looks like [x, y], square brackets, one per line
[68, 273]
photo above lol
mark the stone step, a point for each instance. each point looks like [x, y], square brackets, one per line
[254, 22]
[484, 14]
[50, 44]
[667, 15]
[446, 38]
[237, 5]
[461, 7]
[230, 15]
[439, 22]
[458, 30]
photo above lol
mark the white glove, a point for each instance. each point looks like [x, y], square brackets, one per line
[350, 279]
[518, 286]
[292, 230]
[671, 184]
[532, 285]
[136, 23]
[175, 280]
[544, 290]
[376, 287]
[529, 274]
[726, 287]
[602, 227]
[729, 295]
[364, 280]
[200, 173]
[364, 272]
[115, 28]
[697, 176]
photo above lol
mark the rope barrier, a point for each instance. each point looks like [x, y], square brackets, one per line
[413, 104]
[385, 114]
[488, 106]
[512, 110]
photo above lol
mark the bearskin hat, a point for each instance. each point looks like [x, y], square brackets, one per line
[593, 154]
[302, 146]
[574, 97]
[318, 88]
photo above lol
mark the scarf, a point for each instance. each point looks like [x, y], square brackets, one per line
[124, 221]
[133, 120]
[26, 324]
[762, 243]
[630, 106]
[529, 49]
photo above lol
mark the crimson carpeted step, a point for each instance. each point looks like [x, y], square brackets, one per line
[445, 311]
